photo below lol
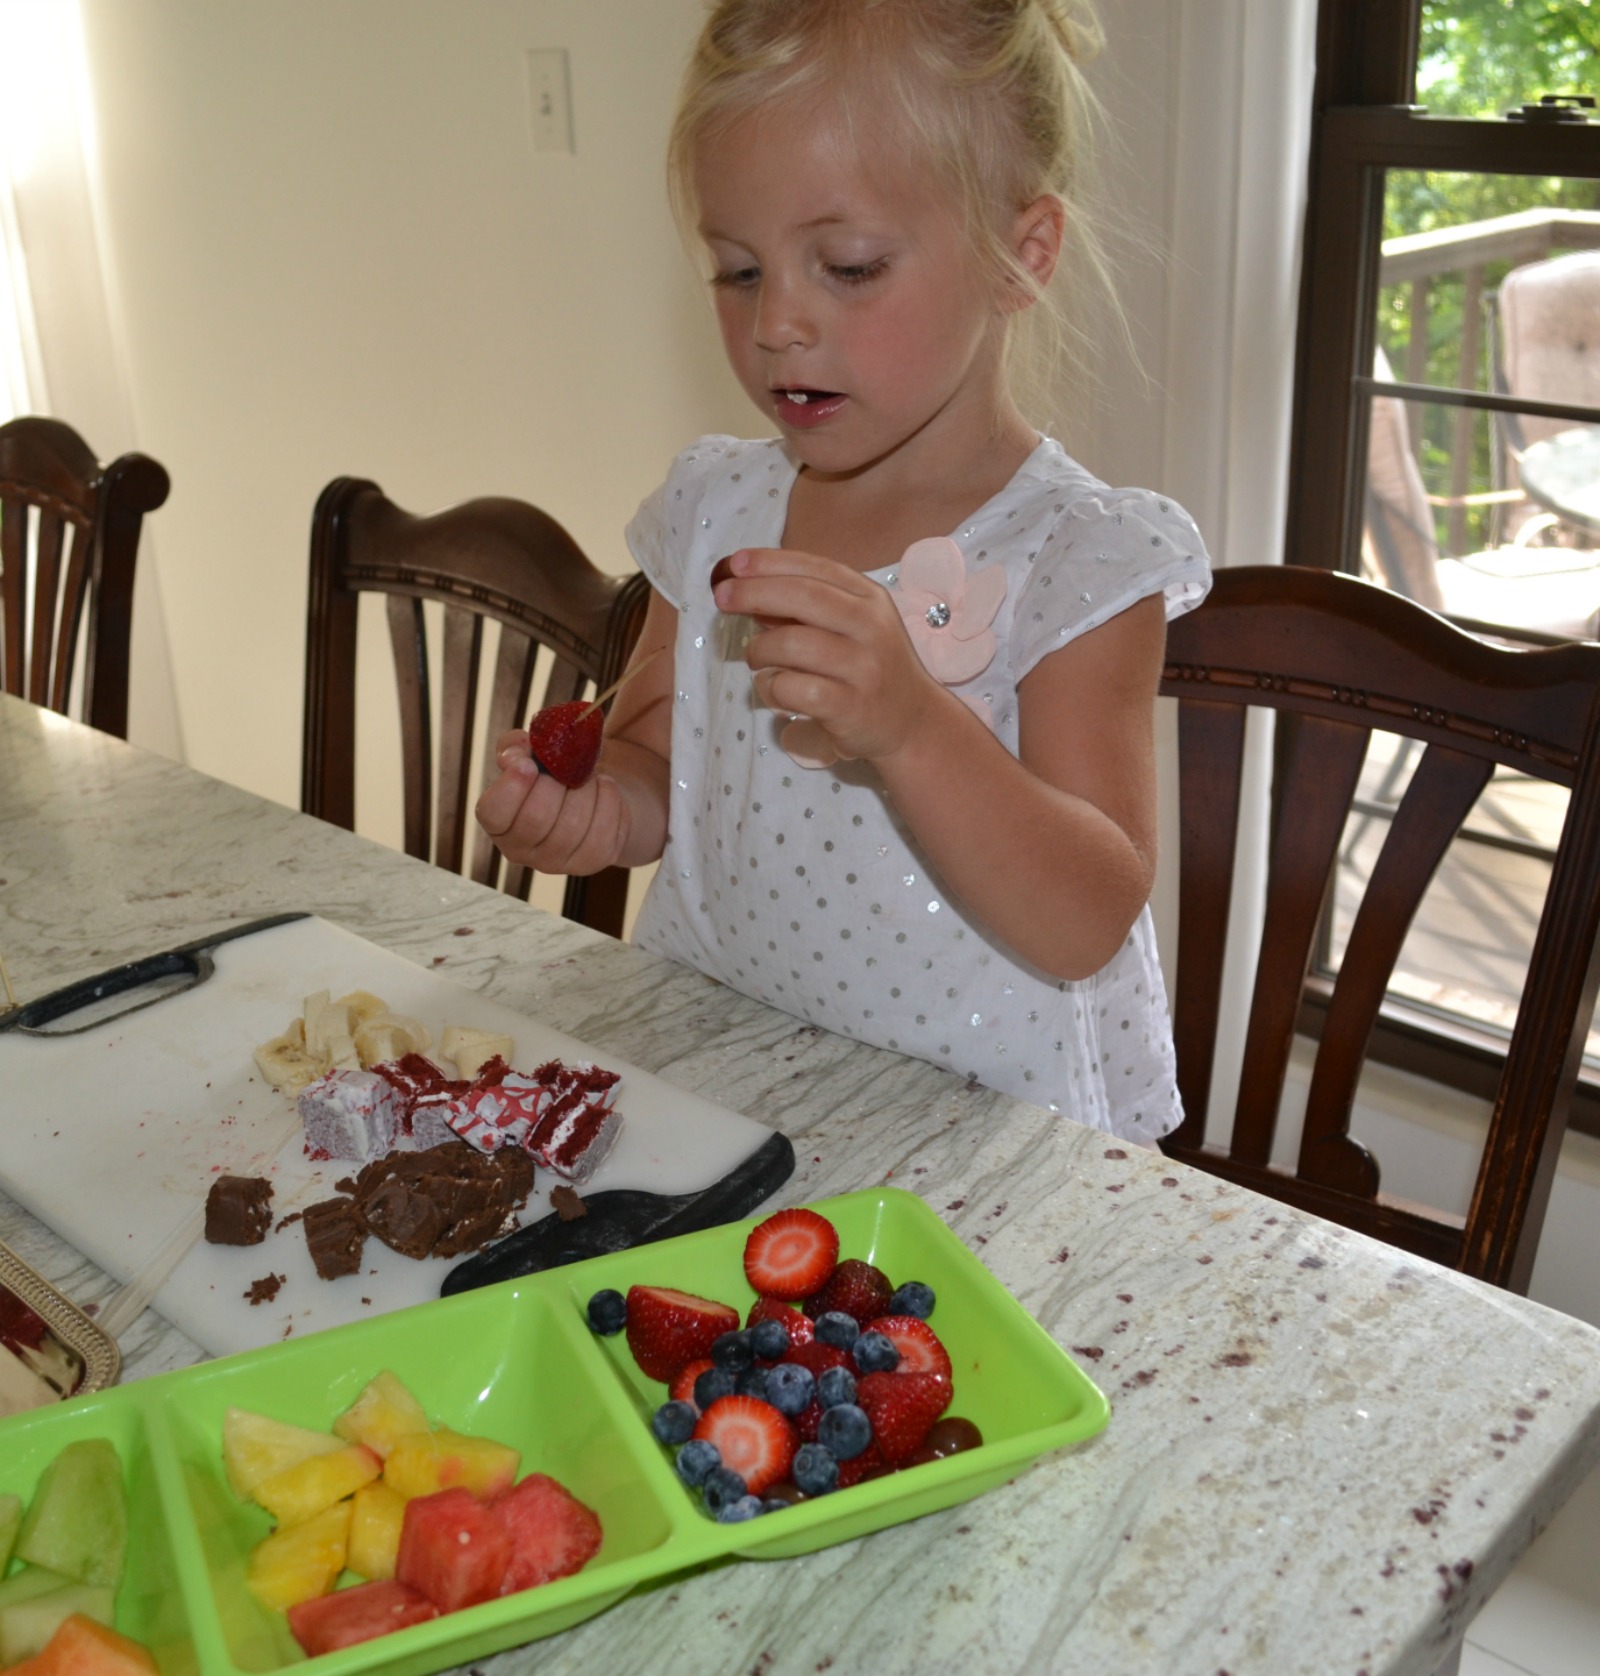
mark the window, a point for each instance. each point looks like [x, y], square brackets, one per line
[1439, 447]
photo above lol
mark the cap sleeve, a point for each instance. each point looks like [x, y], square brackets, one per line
[1108, 550]
[660, 537]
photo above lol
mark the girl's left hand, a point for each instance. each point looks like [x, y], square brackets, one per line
[830, 645]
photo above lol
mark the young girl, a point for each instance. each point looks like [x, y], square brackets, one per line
[896, 755]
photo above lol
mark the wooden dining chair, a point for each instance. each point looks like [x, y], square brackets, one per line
[493, 560]
[69, 542]
[1337, 658]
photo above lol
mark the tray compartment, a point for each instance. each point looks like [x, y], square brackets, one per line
[499, 1363]
[1011, 1379]
[150, 1605]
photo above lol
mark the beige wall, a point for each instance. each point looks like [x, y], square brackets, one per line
[335, 251]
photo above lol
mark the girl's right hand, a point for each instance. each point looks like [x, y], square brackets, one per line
[536, 822]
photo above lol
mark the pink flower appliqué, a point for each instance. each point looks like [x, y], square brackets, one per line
[948, 615]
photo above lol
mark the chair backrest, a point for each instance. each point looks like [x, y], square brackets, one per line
[1337, 658]
[492, 559]
[1547, 318]
[69, 540]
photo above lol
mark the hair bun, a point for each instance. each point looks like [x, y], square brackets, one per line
[1076, 23]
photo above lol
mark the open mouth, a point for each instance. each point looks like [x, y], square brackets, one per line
[804, 406]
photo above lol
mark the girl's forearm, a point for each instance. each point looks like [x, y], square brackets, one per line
[1047, 873]
[643, 778]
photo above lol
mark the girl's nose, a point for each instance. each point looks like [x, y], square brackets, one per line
[782, 319]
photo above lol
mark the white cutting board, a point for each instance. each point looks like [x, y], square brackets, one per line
[113, 1135]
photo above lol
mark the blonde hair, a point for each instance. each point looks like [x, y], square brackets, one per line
[991, 93]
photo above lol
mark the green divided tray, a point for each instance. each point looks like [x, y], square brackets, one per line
[517, 1362]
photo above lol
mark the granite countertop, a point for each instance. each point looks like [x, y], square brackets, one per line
[1324, 1454]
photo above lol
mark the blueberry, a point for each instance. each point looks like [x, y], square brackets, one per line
[912, 1299]
[836, 1385]
[746, 1507]
[674, 1422]
[844, 1431]
[769, 1339]
[722, 1487]
[790, 1388]
[816, 1470]
[775, 1504]
[838, 1329]
[875, 1353]
[713, 1383]
[732, 1351]
[752, 1383]
[696, 1458]
[608, 1312]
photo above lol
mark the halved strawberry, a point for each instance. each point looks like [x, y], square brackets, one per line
[667, 1328]
[918, 1344]
[902, 1408]
[681, 1388]
[870, 1463]
[802, 1329]
[752, 1437]
[564, 739]
[791, 1254]
[856, 1288]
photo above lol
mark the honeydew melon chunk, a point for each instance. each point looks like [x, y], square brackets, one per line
[10, 1524]
[26, 1626]
[77, 1521]
[256, 1447]
[30, 1581]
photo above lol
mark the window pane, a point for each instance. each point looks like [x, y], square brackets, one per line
[1485, 57]
[1491, 283]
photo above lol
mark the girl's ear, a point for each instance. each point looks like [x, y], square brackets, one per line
[1036, 236]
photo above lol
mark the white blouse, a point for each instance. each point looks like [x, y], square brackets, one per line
[799, 886]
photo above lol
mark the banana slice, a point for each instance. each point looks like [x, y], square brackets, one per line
[470, 1049]
[286, 1064]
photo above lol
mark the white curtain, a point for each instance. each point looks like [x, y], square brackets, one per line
[1211, 102]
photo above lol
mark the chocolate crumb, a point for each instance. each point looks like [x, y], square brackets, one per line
[345, 1184]
[567, 1203]
[286, 1221]
[263, 1291]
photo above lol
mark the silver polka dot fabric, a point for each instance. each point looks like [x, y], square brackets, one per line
[799, 887]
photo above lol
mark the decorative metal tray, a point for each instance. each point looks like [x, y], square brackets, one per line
[52, 1350]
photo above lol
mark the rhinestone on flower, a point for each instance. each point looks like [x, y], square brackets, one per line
[937, 615]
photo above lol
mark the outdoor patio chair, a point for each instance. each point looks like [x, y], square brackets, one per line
[1551, 592]
[1336, 658]
[491, 561]
[69, 543]
[1546, 335]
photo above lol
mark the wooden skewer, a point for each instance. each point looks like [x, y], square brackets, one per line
[5, 978]
[638, 669]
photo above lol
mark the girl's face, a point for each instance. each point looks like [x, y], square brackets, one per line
[852, 307]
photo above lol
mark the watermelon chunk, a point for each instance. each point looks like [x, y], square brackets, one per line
[552, 1533]
[453, 1549]
[357, 1614]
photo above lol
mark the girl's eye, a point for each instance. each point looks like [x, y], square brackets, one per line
[857, 273]
[735, 279]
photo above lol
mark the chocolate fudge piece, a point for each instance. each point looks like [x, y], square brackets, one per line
[443, 1202]
[238, 1210]
[334, 1237]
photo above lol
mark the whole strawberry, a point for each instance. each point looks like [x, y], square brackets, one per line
[565, 741]
[856, 1289]
[902, 1408]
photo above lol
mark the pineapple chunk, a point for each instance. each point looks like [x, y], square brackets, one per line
[300, 1561]
[305, 1489]
[439, 1460]
[377, 1513]
[384, 1413]
[471, 1049]
[255, 1447]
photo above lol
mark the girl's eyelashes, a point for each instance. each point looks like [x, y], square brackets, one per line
[858, 273]
[748, 276]
[734, 279]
